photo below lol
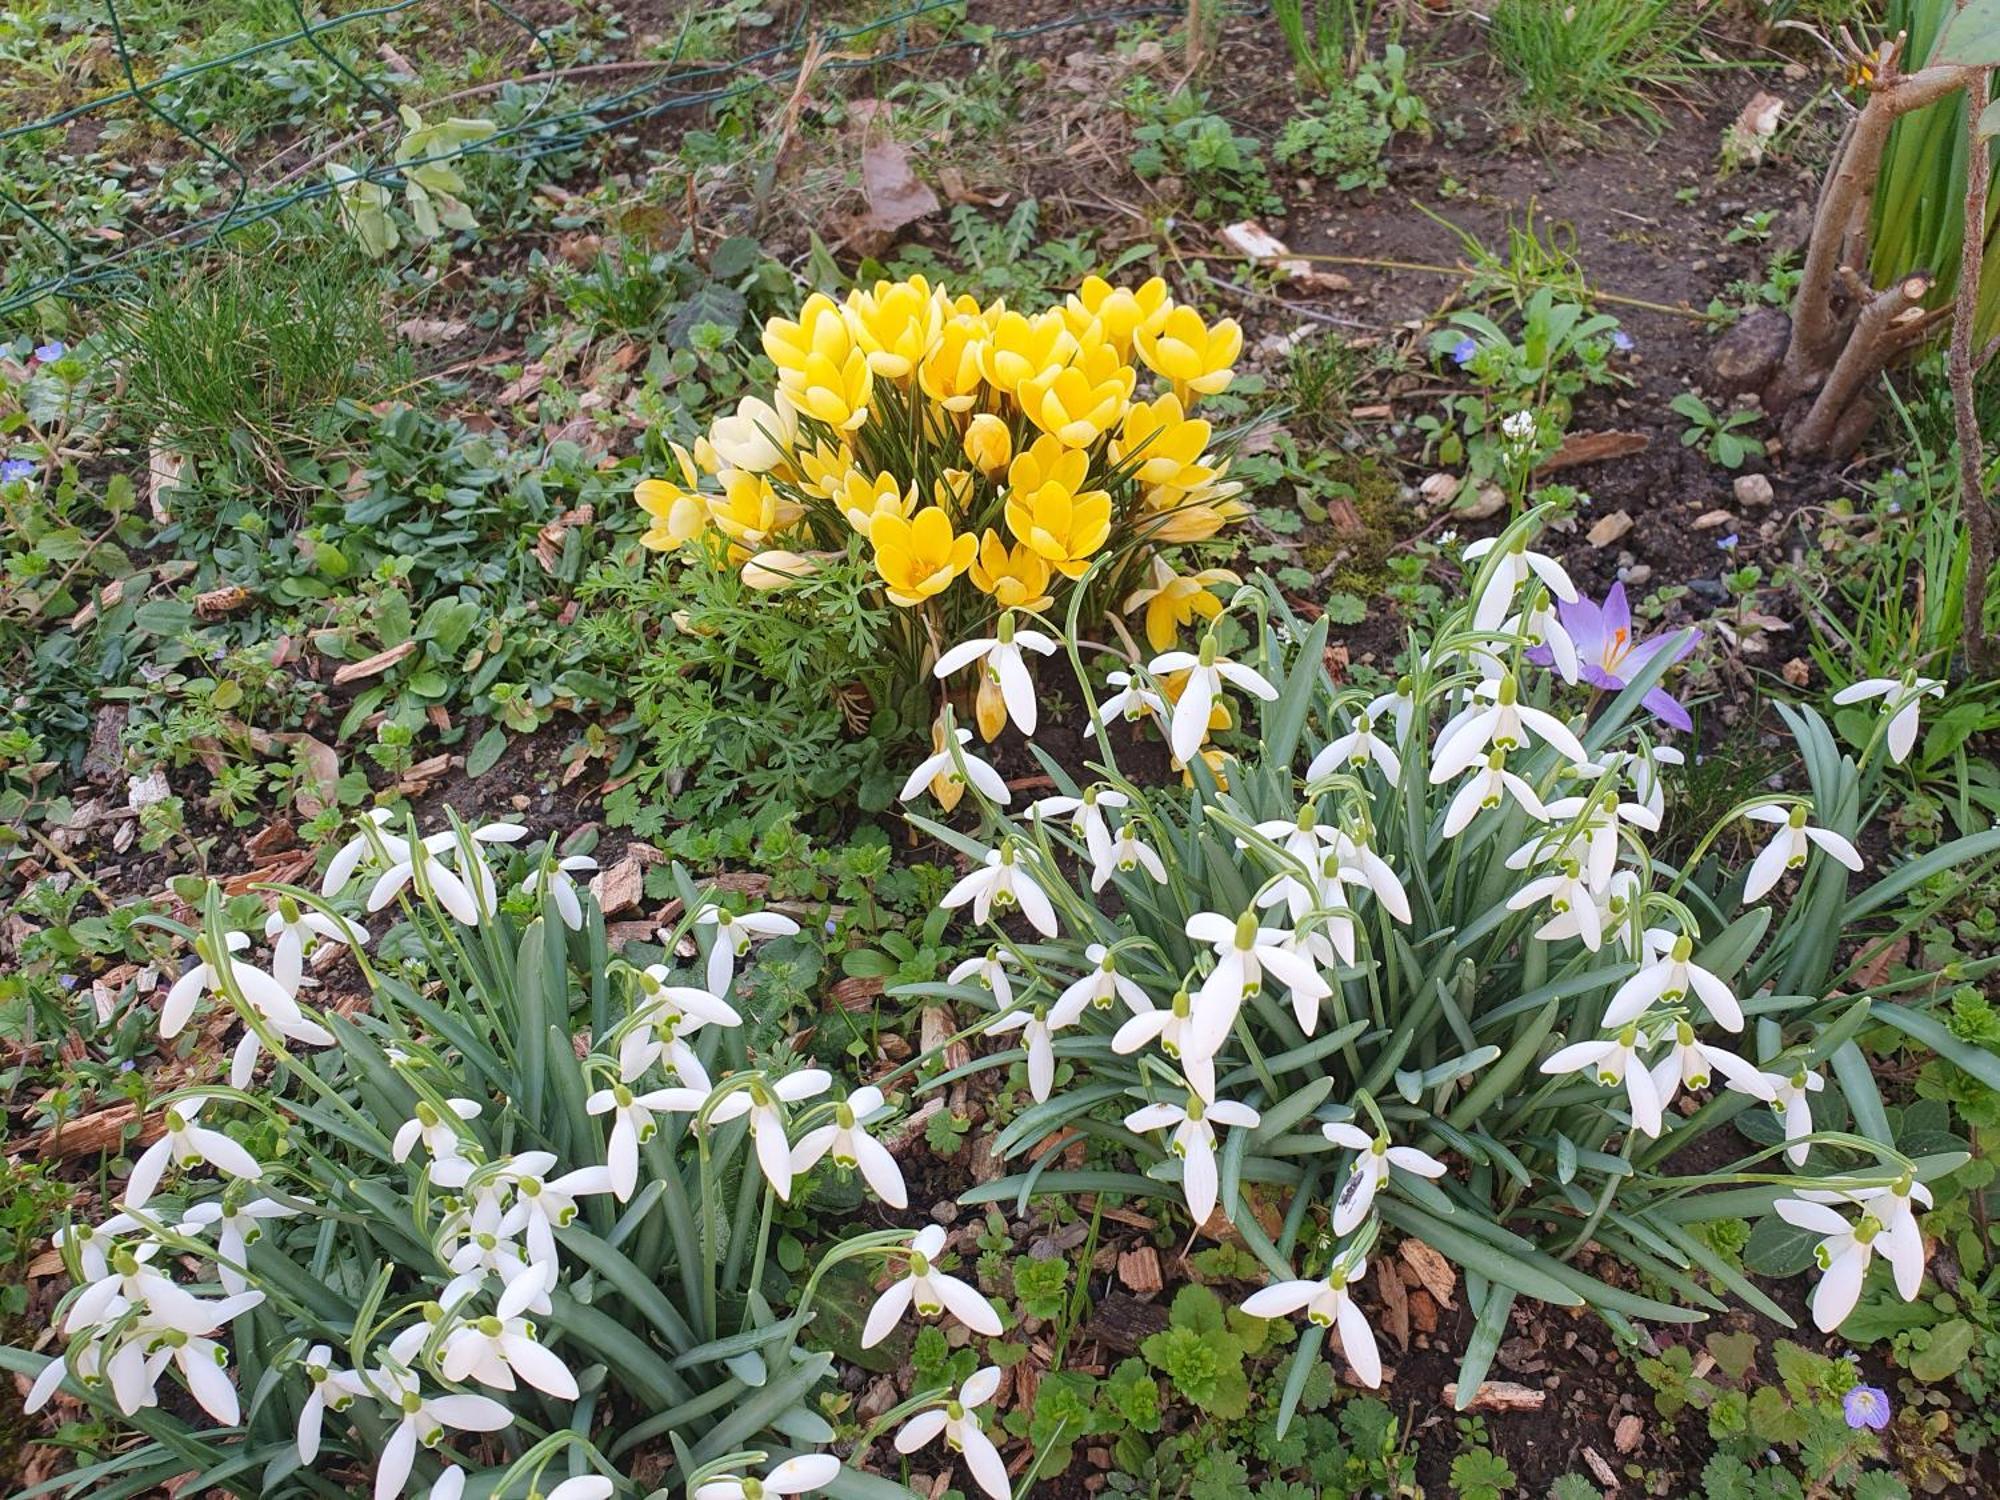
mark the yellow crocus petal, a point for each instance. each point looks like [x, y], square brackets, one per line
[920, 556]
[895, 324]
[1194, 356]
[1117, 313]
[758, 437]
[988, 444]
[951, 374]
[823, 468]
[678, 513]
[777, 568]
[820, 365]
[1167, 446]
[862, 500]
[1079, 402]
[989, 708]
[1016, 578]
[1060, 526]
[1022, 347]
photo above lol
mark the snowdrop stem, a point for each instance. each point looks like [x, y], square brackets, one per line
[894, 1416]
[883, 1240]
[529, 1465]
[763, 1234]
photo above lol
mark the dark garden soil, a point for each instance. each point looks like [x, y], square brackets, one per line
[1657, 262]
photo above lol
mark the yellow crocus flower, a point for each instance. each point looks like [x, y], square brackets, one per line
[1017, 578]
[777, 568]
[758, 437]
[862, 499]
[1177, 515]
[919, 557]
[679, 512]
[952, 490]
[988, 444]
[748, 510]
[1172, 600]
[952, 373]
[1195, 357]
[896, 324]
[821, 365]
[1118, 312]
[1079, 402]
[822, 468]
[1168, 444]
[1021, 348]
[1048, 509]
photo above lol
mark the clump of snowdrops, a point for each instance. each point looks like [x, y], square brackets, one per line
[487, 1234]
[1407, 964]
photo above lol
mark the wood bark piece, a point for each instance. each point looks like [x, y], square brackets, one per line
[1499, 1395]
[1432, 1270]
[1579, 448]
[1122, 1322]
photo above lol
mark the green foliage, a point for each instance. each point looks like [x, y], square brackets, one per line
[1580, 61]
[1201, 1353]
[1342, 136]
[1220, 171]
[1011, 258]
[1481, 1474]
[1328, 39]
[1720, 435]
[1041, 1285]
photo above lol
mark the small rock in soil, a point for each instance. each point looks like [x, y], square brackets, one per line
[1753, 490]
[1628, 1434]
[1708, 520]
[1608, 529]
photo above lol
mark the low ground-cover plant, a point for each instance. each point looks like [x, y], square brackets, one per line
[445, 1246]
[927, 466]
[1407, 964]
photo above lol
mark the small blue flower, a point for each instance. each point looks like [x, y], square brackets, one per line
[1621, 341]
[16, 468]
[1866, 1406]
[1463, 351]
[1727, 543]
[52, 351]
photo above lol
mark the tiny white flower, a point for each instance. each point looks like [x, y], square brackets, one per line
[1787, 849]
[332, 1390]
[1207, 671]
[561, 883]
[1002, 883]
[764, 1102]
[238, 1226]
[1569, 896]
[733, 933]
[1193, 1141]
[467, 893]
[1244, 953]
[931, 1291]
[1902, 698]
[1842, 1256]
[1587, 829]
[500, 1346]
[989, 969]
[1516, 567]
[945, 763]
[1671, 978]
[349, 856]
[1486, 789]
[1126, 853]
[1505, 724]
[1085, 814]
[1003, 665]
[1330, 1304]
[421, 1422]
[204, 977]
[1692, 1064]
[449, 1166]
[293, 932]
[1178, 1031]
[1893, 1207]
[1371, 1170]
[186, 1144]
[1133, 701]
[1096, 988]
[851, 1146]
[632, 1125]
[544, 1204]
[1614, 1061]
[1790, 1095]
[958, 1421]
[1358, 747]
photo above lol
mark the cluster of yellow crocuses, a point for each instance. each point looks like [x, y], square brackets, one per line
[1014, 450]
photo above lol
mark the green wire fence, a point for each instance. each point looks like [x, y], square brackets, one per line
[262, 192]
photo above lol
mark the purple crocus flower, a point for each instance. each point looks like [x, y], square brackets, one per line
[1463, 351]
[1609, 656]
[1866, 1406]
[16, 468]
[52, 351]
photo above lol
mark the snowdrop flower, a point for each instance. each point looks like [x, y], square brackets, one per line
[958, 1421]
[851, 1146]
[632, 1125]
[1328, 1304]
[474, 1248]
[764, 1101]
[332, 1390]
[1000, 884]
[990, 969]
[449, 1166]
[1133, 701]
[1207, 671]
[1902, 699]
[1842, 1256]
[1642, 770]
[1003, 665]
[1398, 707]
[85, 1361]
[293, 933]
[1359, 860]
[732, 939]
[290, 1023]
[204, 978]
[561, 884]
[930, 1291]
[1371, 1170]
[467, 896]
[1614, 1061]
[668, 1014]
[348, 857]
[93, 1243]
[1038, 1026]
[1244, 953]
[421, 1421]
[544, 1204]
[130, 1280]
[1595, 840]
[1488, 788]
[187, 1144]
[1507, 724]
[1126, 853]
[1545, 628]
[1516, 567]
[1569, 896]
[1790, 1095]
[945, 763]
[1670, 978]
[1356, 748]
[154, 1341]
[1097, 987]
[795, 1476]
[1086, 816]
[1787, 849]
[238, 1226]
[1900, 1240]
[1193, 1141]
[1691, 1064]
[1307, 842]
[1177, 1031]
[500, 1346]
